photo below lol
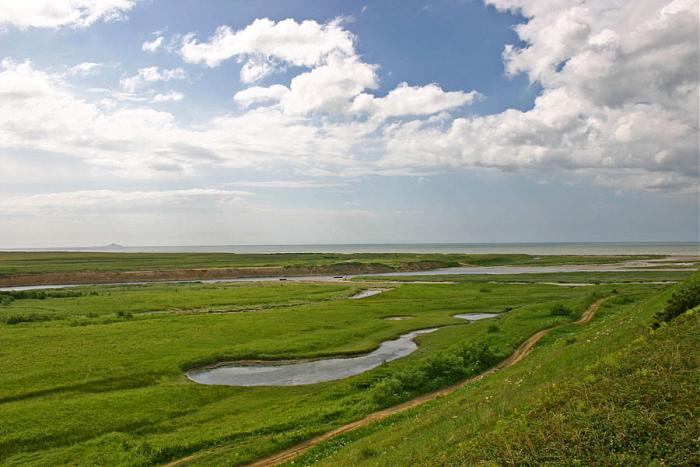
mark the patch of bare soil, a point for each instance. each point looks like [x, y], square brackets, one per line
[155, 275]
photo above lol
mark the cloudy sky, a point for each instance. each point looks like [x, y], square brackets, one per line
[165, 122]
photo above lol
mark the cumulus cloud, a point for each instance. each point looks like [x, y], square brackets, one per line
[258, 94]
[329, 87]
[154, 45]
[265, 44]
[172, 96]
[39, 111]
[85, 69]
[335, 82]
[620, 91]
[57, 13]
[412, 100]
[618, 105]
[306, 43]
[151, 75]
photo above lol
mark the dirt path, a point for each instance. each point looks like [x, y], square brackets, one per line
[521, 352]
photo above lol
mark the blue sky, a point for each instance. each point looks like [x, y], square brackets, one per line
[142, 123]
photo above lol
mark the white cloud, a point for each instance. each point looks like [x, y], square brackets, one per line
[303, 44]
[264, 44]
[85, 69]
[258, 94]
[290, 184]
[337, 74]
[412, 100]
[256, 69]
[618, 105]
[172, 96]
[329, 87]
[151, 75]
[56, 13]
[620, 87]
[154, 45]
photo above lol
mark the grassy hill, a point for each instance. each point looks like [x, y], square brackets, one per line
[613, 393]
[95, 375]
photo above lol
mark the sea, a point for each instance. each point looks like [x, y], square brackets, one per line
[563, 248]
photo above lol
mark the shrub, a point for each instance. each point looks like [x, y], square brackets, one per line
[434, 372]
[560, 310]
[368, 452]
[683, 300]
[6, 299]
[30, 318]
[622, 300]
[493, 328]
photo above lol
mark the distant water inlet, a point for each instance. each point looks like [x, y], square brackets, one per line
[313, 371]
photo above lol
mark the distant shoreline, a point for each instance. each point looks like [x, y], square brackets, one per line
[536, 248]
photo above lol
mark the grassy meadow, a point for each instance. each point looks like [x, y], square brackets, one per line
[613, 392]
[52, 262]
[95, 375]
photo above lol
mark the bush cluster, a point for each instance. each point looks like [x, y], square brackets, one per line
[12, 295]
[30, 318]
[683, 300]
[560, 310]
[434, 372]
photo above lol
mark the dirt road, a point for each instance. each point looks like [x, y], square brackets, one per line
[521, 352]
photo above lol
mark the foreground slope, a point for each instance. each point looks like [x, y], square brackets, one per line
[613, 393]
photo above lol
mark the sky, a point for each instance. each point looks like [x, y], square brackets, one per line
[179, 122]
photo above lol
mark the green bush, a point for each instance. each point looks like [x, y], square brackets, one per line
[11, 295]
[6, 299]
[30, 318]
[434, 372]
[686, 298]
[560, 310]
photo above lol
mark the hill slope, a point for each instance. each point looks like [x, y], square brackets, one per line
[614, 393]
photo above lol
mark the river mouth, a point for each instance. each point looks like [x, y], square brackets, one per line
[284, 373]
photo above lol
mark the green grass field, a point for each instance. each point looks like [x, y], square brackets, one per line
[45, 262]
[97, 378]
[603, 277]
[614, 392]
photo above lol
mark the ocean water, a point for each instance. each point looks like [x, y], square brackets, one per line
[622, 248]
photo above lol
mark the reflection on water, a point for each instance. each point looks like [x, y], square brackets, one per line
[367, 293]
[315, 371]
[475, 316]
[309, 372]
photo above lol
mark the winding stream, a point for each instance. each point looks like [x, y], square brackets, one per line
[314, 371]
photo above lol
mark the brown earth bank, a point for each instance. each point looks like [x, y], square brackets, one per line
[155, 275]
